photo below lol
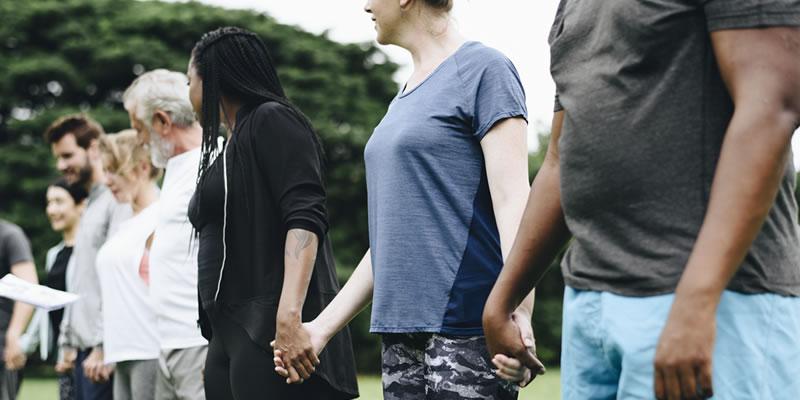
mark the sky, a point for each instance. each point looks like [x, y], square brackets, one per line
[518, 28]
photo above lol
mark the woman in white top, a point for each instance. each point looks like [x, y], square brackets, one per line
[65, 203]
[130, 340]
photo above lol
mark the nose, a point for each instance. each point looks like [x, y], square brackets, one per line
[367, 8]
[61, 165]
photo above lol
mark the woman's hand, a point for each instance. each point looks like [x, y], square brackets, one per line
[293, 342]
[285, 364]
[510, 368]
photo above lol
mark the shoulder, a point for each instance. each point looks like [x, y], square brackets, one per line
[475, 58]
[9, 231]
[272, 113]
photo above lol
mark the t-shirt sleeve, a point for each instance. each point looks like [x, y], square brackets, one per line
[16, 246]
[496, 92]
[557, 104]
[743, 14]
[287, 154]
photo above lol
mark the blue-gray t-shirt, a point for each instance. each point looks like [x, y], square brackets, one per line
[433, 236]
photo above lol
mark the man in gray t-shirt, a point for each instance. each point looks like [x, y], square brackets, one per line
[671, 168]
[15, 258]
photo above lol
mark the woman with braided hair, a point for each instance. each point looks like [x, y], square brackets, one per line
[264, 262]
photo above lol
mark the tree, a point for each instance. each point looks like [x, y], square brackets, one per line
[63, 56]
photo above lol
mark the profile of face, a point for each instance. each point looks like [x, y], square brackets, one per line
[61, 209]
[195, 90]
[126, 185]
[161, 149]
[386, 14]
[72, 160]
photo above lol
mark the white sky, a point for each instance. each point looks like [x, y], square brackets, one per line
[518, 28]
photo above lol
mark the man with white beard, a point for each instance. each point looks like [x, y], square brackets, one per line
[159, 109]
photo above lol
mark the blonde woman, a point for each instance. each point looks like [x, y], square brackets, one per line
[129, 335]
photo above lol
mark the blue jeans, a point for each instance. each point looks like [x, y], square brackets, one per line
[609, 343]
[84, 388]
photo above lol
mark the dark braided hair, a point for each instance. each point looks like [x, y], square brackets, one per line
[235, 63]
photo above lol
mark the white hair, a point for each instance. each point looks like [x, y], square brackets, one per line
[163, 90]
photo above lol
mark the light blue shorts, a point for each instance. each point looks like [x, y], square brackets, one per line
[609, 343]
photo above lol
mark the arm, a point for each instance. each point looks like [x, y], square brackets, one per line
[299, 256]
[759, 67]
[354, 296]
[542, 233]
[505, 150]
[14, 357]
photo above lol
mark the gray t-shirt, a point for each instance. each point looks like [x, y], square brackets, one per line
[645, 115]
[82, 325]
[14, 249]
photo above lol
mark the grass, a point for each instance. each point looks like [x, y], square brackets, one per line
[545, 387]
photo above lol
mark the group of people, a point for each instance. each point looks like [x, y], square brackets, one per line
[669, 167]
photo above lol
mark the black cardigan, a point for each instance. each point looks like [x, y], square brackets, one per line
[275, 183]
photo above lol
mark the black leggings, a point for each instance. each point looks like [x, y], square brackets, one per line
[238, 369]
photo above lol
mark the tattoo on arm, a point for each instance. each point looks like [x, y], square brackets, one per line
[303, 239]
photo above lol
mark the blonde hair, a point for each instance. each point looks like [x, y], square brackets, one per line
[122, 152]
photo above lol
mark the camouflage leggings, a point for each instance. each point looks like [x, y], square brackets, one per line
[425, 366]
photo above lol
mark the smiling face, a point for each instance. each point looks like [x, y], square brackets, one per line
[61, 209]
[387, 16]
[72, 160]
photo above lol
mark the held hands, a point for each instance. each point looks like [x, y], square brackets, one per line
[683, 355]
[67, 363]
[95, 369]
[13, 357]
[510, 340]
[290, 364]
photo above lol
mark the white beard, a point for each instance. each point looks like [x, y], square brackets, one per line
[160, 150]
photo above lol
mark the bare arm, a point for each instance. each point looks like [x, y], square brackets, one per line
[351, 300]
[354, 296]
[759, 67]
[300, 255]
[505, 149]
[541, 235]
[14, 357]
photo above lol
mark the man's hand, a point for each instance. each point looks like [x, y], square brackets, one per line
[504, 336]
[94, 369]
[683, 355]
[318, 339]
[67, 363]
[512, 369]
[13, 357]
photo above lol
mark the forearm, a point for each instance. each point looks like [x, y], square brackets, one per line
[354, 296]
[299, 258]
[22, 312]
[750, 168]
[509, 214]
[542, 233]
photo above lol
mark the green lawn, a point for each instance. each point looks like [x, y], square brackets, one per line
[543, 388]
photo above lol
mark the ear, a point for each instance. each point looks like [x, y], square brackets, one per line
[164, 119]
[406, 4]
[93, 151]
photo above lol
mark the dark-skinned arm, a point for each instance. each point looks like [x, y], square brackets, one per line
[542, 233]
[290, 338]
[760, 70]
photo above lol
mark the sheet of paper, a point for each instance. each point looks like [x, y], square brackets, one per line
[39, 296]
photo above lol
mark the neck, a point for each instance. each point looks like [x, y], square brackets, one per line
[69, 235]
[146, 196]
[187, 139]
[98, 177]
[430, 40]
[229, 110]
